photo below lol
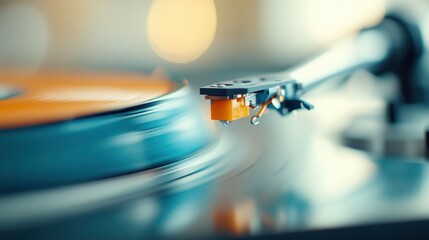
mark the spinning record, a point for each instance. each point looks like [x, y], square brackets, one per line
[58, 129]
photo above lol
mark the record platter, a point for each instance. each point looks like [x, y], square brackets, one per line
[331, 147]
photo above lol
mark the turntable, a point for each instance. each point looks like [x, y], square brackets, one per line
[122, 154]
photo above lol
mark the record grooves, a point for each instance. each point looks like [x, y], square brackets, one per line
[211, 162]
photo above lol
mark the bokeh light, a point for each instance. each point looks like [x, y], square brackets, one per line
[181, 31]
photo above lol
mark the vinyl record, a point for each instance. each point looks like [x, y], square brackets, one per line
[58, 129]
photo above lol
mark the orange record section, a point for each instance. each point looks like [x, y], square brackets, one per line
[53, 97]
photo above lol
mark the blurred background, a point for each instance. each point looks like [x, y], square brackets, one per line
[189, 38]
